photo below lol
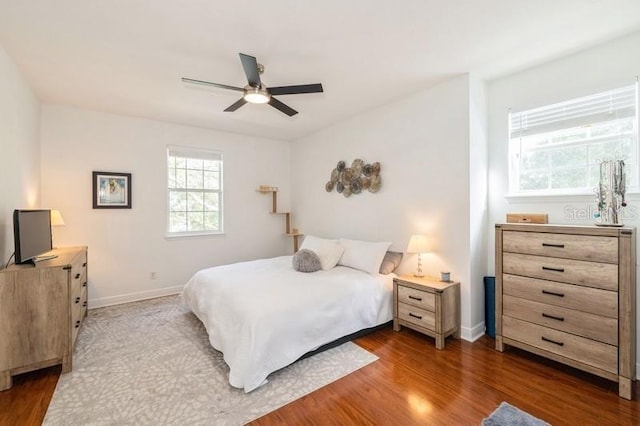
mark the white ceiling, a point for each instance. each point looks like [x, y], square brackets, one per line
[127, 56]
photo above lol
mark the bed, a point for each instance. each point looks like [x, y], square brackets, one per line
[263, 315]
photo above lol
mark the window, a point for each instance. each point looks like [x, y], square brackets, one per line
[557, 149]
[194, 191]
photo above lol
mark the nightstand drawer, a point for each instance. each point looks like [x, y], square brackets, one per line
[587, 351]
[417, 298]
[417, 316]
[580, 247]
[589, 274]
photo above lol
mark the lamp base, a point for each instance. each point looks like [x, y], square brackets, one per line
[418, 274]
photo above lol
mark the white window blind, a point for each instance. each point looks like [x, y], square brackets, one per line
[557, 148]
[194, 191]
[598, 108]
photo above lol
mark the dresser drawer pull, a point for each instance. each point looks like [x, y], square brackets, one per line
[78, 324]
[415, 316]
[552, 245]
[552, 293]
[552, 341]
[84, 264]
[77, 276]
[77, 300]
[552, 317]
[419, 299]
[547, 268]
[84, 303]
[84, 284]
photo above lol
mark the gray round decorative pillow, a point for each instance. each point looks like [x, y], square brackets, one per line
[306, 261]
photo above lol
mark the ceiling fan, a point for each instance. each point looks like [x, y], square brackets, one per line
[256, 92]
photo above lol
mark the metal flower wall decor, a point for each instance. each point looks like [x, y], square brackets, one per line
[354, 179]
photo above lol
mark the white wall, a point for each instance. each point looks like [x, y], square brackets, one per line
[125, 246]
[478, 211]
[422, 143]
[602, 67]
[19, 150]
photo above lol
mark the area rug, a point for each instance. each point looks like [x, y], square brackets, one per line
[508, 415]
[150, 363]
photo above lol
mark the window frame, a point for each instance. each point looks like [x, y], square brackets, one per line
[184, 152]
[515, 152]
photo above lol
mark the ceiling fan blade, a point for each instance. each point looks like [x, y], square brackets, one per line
[236, 105]
[282, 107]
[294, 90]
[210, 84]
[250, 65]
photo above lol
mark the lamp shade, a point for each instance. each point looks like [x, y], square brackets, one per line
[418, 244]
[56, 218]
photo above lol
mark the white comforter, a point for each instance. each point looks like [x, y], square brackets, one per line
[263, 315]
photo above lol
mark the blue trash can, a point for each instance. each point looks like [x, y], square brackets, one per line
[490, 305]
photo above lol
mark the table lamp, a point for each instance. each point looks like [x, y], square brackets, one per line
[418, 244]
[56, 220]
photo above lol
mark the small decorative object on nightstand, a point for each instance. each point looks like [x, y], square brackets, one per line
[427, 305]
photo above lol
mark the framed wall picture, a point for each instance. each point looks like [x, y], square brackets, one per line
[111, 190]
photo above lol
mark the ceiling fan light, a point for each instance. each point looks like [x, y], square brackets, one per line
[256, 95]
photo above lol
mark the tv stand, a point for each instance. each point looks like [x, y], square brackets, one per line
[42, 306]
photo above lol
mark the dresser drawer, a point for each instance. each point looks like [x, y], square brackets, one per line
[590, 274]
[585, 299]
[420, 299]
[78, 272]
[78, 305]
[587, 351]
[78, 284]
[580, 247]
[576, 322]
[417, 316]
[78, 312]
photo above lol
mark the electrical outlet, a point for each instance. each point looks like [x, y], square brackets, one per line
[153, 275]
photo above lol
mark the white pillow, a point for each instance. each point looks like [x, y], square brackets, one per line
[329, 251]
[363, 255]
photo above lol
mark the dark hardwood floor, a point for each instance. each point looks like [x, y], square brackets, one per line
[27, 401]
[413, 383]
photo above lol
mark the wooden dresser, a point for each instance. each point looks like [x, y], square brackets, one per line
[568, 293]
[41, 311]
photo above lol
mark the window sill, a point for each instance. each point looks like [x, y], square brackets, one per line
[181, 235]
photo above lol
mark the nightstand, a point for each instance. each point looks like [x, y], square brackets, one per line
[428, 306]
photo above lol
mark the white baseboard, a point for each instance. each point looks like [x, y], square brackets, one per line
[472, 334]
[133, 297]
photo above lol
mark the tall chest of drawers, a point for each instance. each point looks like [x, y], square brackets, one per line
[568, 293]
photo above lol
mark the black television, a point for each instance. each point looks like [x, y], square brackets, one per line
[32, 235]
